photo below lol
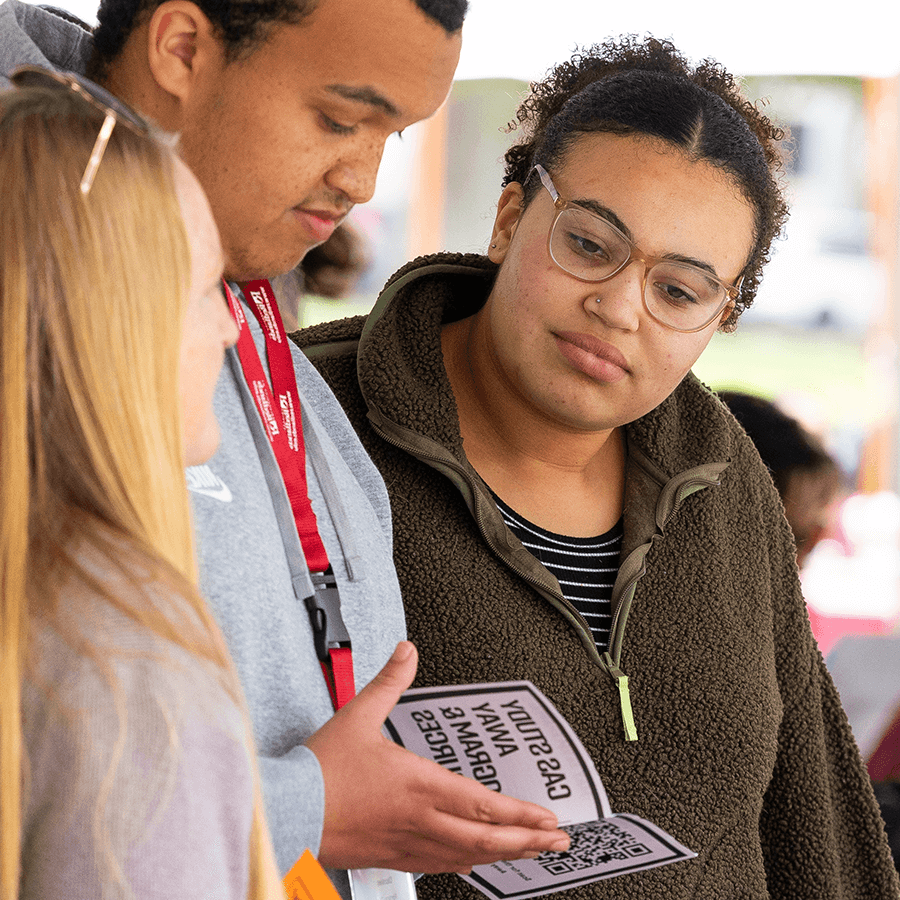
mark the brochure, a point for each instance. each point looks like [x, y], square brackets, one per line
[513, 740]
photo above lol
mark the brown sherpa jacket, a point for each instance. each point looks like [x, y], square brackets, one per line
[743, 752]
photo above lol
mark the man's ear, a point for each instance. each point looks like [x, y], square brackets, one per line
[510, 207]
[181, 42]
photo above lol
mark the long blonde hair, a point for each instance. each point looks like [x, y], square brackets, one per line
[92, 296]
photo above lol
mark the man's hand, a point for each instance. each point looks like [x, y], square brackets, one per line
[387, 808]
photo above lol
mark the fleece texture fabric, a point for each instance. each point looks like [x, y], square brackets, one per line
[743, 752]
[242, 515]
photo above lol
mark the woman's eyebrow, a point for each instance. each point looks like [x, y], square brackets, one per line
[604, 212]
[696, 263]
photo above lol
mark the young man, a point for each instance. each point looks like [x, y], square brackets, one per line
[283, 110]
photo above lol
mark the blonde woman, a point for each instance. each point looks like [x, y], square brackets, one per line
[127, 767]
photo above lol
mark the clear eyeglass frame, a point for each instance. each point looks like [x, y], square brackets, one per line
[113, 110]
[729, 292]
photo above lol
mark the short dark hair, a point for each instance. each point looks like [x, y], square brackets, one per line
[785, 446]
[447, 13]
[633, 86]
[242, 25]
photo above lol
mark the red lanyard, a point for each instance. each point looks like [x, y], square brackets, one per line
[280, 411]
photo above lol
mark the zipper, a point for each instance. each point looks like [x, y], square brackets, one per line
[558, 600]
[607, 661]
[620, 679]
[617, 631]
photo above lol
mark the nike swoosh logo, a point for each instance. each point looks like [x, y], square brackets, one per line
[202, 480]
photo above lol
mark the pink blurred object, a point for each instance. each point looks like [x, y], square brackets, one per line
[828, 630]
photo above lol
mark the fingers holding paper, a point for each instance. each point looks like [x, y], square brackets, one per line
[388, 808]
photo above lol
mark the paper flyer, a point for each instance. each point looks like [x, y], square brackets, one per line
[513, 740]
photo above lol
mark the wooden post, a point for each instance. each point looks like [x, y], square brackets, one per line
[429, 187]
[880, 461]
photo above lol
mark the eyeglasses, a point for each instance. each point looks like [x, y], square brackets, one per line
[679, 295]
[113, 110]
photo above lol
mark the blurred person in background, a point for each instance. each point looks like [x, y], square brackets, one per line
[330, 270]
[807, 477]
[809, 482]
[334, 268]
[573, 507]
[127, 761]
[282, 111]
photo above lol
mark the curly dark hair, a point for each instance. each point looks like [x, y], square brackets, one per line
[785, 446]
[646, 86]
[242, 25]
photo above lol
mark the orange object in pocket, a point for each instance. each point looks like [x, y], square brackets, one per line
[307, 881]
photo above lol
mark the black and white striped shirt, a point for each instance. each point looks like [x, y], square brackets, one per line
[585, 568]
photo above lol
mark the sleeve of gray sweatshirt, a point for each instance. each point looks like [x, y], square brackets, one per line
[245, 576]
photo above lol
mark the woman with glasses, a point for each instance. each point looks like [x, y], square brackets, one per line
[571, 506]
[125, 755]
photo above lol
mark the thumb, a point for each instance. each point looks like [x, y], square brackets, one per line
[376, 700]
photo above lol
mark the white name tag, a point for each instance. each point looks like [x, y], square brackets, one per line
[381, 884]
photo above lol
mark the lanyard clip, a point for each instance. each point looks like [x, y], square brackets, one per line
[324, 608]
[319, 621]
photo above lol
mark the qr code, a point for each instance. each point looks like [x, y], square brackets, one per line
[593, 844]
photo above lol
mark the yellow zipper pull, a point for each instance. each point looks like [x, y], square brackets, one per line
[621, 680]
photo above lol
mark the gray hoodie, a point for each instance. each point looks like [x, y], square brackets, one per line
[245, 544]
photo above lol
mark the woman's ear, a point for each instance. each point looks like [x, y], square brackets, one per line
[510, 207]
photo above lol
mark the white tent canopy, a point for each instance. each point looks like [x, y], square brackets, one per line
[523, 38]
